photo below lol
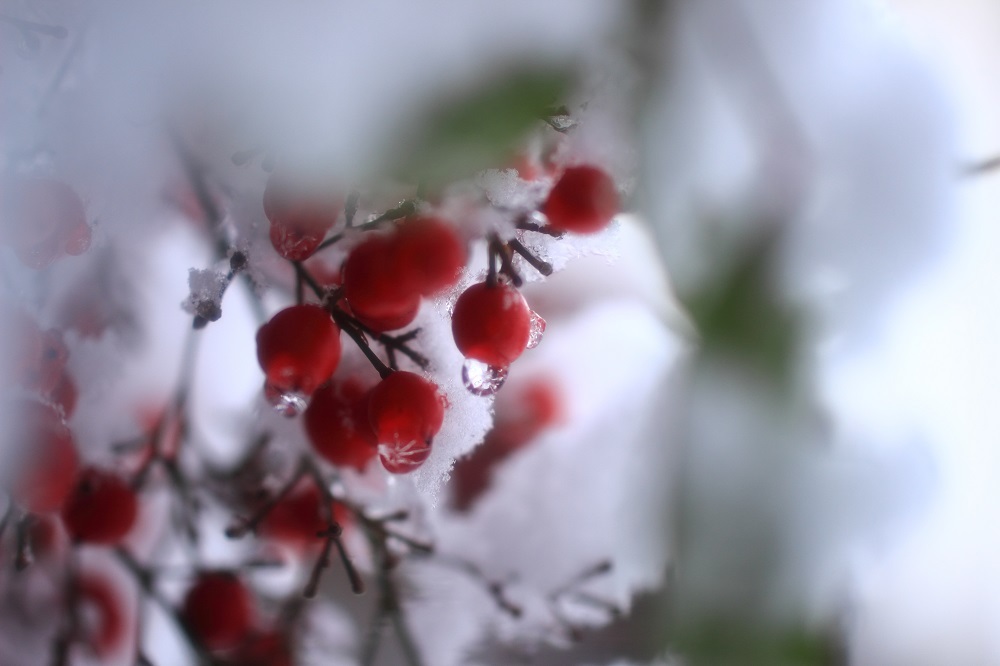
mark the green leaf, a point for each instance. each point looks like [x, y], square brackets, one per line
[741, 317]
[731, 644]
[481, 127]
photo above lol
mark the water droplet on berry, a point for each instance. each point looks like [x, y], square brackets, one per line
[288, 405]
[536, 331]
[482, 379]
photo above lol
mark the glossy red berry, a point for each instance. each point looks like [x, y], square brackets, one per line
[430, 254]
[299, 221]
[102, 612]
[44, 219]
[46, 453]
[299, 348]
[101, 509]
[336, 422]
[218, 610]
[406, 411]
[491, 324]
[375, 288]
[583, 200]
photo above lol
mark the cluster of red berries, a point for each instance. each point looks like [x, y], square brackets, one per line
[348, 419]
[382, 282]
[299, 350]
[97, 506]
[43, 220]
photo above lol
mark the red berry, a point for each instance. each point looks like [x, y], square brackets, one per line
[336, 422]
[102, 612]
[430, 254]
[521, 415]
[299, 348]
[583, 200]
[405, 457]
[44, 219]
[375, 288]
[48, 460]
[299, 221]
[101, 509]
[491, 324]
[218, 610]
[405, 411]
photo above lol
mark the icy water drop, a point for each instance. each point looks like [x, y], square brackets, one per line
[287, 404]
[482, 379]
[537, 330]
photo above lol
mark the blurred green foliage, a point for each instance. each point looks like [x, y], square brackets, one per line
[479, 128]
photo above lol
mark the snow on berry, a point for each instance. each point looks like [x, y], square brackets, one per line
[299, 219]
[44, 451]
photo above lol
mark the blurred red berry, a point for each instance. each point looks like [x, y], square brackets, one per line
[375, 288]
[491, 324]
[523, 411]
[298, 518]
[218, 610]
[299, 220]
[43, 220]
[299, 348]
[430, 254]
[102, 613]
[583, 200]
[336, 422]
[47, 460]
[101, 509]
[406, 411]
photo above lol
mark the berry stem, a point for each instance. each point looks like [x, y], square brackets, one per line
[250, 524]
[8, 512]
[196, 178]
[351, 207]
[496, 589]
[543, 267]
[507, 265]
[24, 556]
[332, 534]
[526, 225]
[398, 343]
[356, 330]
[492, 250]
[68, 632]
